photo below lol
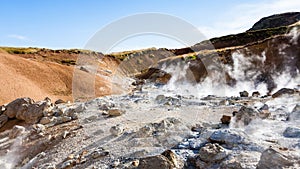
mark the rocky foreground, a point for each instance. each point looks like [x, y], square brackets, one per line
[148, 129]
[175, 111]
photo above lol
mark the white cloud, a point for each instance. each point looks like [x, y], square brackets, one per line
[243, 16]
[20, 37]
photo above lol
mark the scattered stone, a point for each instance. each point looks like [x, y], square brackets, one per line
[283, 91]
[211, 153]
[115, 112]
[16, 131]
[225, 119]
[270, 158]
[158, 161]
[48, 166]
[115, 163]
[3, 120]
[100, 152]
[244, 94]
[176, 161]
[59, 101]
[135, 163]
[295, 114]
[227, 136]
[39, 128]
[292, 132]
[255, 94]
[32, 113]
[116, 130]
[68, 164]
[45, 120]
[246, 115]
[18, 106]
[65, 134]
[2, 109]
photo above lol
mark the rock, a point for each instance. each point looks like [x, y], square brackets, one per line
[227, 136]
[161, 99]
[292, 132]
[99, 152]
[48, 166]
[16, 131]
[68, 164]
[152, 162]
[246, 115]
[18, 106]
[39, 128]
[2, 109]
[59, 101]
[3, 120]
[225, 119]
[270, 159]
[45, 120]
[255, 94]
[172, 157]
[211, 153]
[295, 114]
[32, 113]
[116, 130]
[115, 112]
[244, 94]
[63, 119]
[283, 91]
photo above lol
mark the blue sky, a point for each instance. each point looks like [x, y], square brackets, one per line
[69, 24]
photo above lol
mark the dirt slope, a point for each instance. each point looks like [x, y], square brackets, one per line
[28, 77]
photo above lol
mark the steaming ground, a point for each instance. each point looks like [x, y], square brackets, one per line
[157, 119]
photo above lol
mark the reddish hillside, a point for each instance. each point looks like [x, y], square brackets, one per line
[26, 75]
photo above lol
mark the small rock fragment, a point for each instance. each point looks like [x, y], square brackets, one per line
[59, 101]
[292, 132]
[212, 153]
[116, 130]
[16, 131]
[244, 94]
[115, 112]
[255, 94]
[152, 162]
[283, 91]
[3, 120]
[225, 119]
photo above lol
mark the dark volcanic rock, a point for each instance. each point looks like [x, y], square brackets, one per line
[277, 20]
[283, 91]
[270, 158]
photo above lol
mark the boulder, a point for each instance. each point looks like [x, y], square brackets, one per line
[158, 161]
[225, 119]
[18, 106]
[283, 91]
[212, 153]
[34, 112]
[244, 94]
[255, 94]
[16, 131]
[227, 136]
[3, 120]
[292, 132]
[271, 159]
